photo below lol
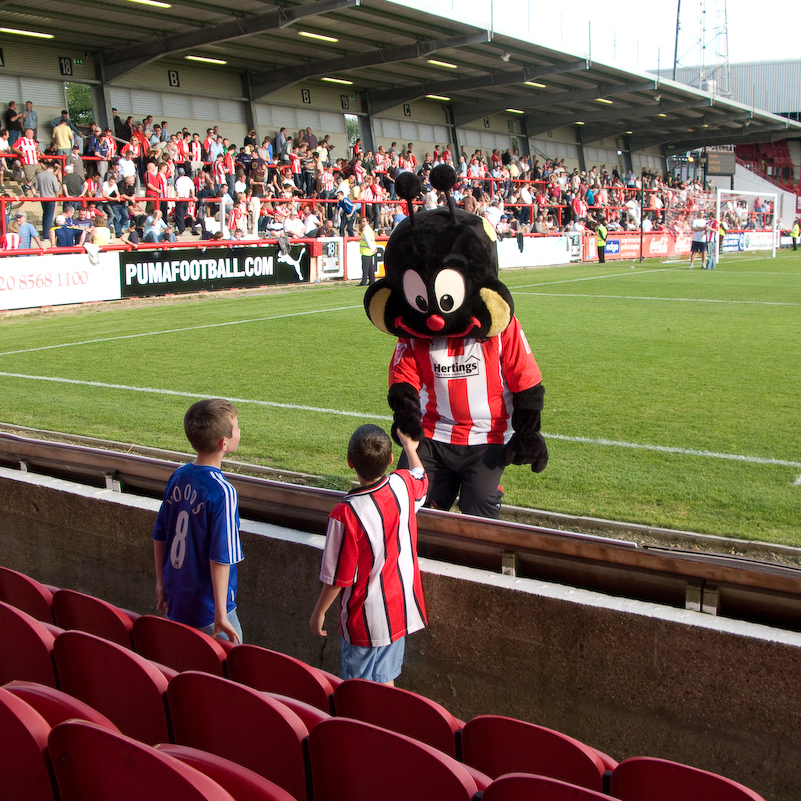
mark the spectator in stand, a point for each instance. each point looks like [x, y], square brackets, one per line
[73, 185]
[293, 225]
[238, 217]
[63, 137]
[76, 133]
[11, 238]
[155, 184]
[185, 194]
[27, 233]
[30, 119]
[115, 205]
[65, 235]
[13, 122]
[346, 214]
[28, 151]
[156, 230]
[5, 150]
[82, 220]
[47, 185]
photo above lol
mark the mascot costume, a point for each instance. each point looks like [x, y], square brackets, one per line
[462, 380]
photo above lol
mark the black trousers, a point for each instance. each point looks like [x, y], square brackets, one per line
[471, 472]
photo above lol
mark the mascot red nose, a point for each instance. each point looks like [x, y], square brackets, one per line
[462, 380]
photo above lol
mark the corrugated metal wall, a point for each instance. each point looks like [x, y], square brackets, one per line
[773, 86]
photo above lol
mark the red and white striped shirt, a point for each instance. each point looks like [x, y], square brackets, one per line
[182, 146]
[10, 241]
[218, 172]
[371, 551]
[327, 181]
[466, 385]
[112, 146]
[28, 148]
[195, 151]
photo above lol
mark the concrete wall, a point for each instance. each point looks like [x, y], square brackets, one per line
[626, 677]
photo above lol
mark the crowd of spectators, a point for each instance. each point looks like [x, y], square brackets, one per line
[147, 183]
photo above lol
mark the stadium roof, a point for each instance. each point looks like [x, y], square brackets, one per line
[394, 55]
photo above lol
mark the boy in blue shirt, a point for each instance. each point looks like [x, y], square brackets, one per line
[196, 535]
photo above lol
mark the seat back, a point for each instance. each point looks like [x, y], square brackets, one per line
[241, 724]
[398, 710]
[498, 745]
[309, 715]
[241, 783]
[641, 778]
[525, 786]
[177, 646]
[26, 594]
[24, 762]
[118, 683]
[274, 672]
[356, 761]
[27, 651]
[95, 763]
[76, 610]
[56, 706]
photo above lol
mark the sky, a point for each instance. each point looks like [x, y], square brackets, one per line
[639, 36]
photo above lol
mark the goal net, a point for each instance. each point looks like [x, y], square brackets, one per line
[747, 224]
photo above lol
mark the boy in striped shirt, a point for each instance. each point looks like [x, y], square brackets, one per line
[196, 536]
[370, 557]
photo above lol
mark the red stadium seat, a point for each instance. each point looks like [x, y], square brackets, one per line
[356, 761]
[27, 650]
[241, 724]
[92, 763]
[525, 787]
[56, 706]
[399, 710]
[310, 715]
[278, 673]
[118, 683]
[649, 779]
[26, 594]
[76, 610]
[25, 773]
[177, 646]
[497, 745]
[241, 783]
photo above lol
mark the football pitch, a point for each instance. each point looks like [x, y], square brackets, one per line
[672, 395]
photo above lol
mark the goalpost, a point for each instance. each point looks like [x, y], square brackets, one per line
[749, 223]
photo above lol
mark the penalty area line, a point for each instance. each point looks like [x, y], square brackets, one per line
[384, 417]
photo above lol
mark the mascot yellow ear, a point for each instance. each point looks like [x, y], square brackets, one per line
[489, 230]
[378, 305]
[500, 313]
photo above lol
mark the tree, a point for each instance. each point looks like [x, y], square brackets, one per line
[79, 103]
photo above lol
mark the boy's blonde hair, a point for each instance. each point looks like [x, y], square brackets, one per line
[208, 421]
[370, 451]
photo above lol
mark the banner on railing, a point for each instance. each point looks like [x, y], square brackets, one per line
[33, 281]
[163, 272]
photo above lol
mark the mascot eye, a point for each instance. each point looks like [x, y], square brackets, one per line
[449, 289]
[415, 290]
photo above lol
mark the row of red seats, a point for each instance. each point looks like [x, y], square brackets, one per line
[408, 744]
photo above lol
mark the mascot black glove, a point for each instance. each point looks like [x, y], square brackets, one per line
[527, 445]
[404, 400]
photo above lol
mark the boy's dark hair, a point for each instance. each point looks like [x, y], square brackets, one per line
[208, 421]
[369, 451]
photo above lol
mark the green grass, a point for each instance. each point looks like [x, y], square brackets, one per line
[653, 356]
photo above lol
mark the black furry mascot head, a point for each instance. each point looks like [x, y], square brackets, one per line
[441, 271]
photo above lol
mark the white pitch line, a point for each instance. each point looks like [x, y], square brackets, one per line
[366, 415]
[648, 297]
[593, 278]
[178, 330]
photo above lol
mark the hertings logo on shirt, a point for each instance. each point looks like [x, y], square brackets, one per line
[458, 367]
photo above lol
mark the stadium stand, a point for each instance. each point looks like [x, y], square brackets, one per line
[56, 706]
[399, 766]
[251, 745]
[178, 646]
[497, 745]
[264, 669]
[525, 786]
[241, 783]
[241, 724]
[120, 684]
[400, 711]
[27, 594]
[24, 761]
[93, 762]
[76, 610]
[31, 657]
